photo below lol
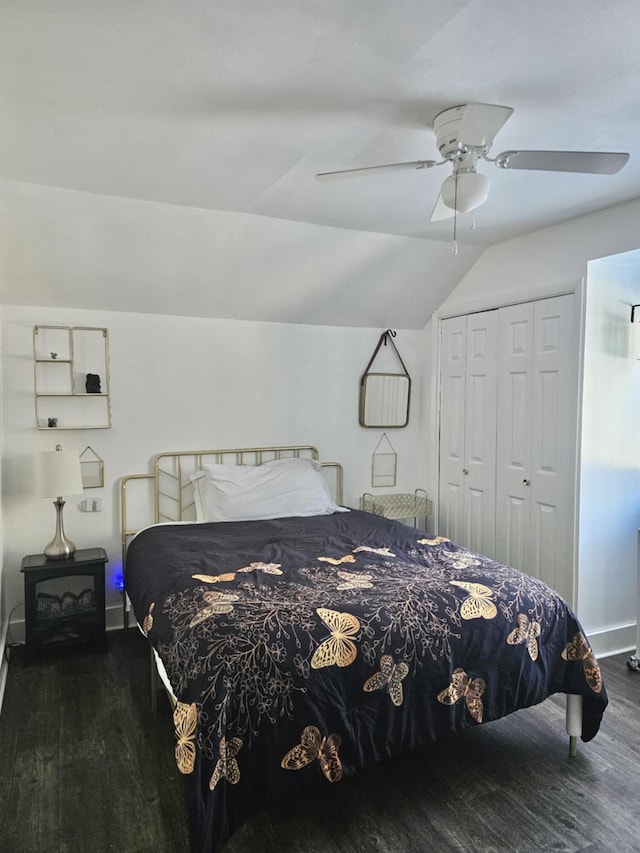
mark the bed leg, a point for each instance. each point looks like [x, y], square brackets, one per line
[574, 722]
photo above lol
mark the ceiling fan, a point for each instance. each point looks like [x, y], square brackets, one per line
[464, 136]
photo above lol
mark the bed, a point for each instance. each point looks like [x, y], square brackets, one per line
[303, 642]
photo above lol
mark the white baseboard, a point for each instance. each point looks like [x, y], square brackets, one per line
[613, 641]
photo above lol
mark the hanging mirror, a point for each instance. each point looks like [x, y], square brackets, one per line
[385, 396]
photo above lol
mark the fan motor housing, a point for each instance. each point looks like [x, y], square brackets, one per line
[447, 127]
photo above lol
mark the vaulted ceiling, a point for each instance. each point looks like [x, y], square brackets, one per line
[235, 107]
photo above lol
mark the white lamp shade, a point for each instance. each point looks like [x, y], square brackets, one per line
[465, 191]
[59, 473]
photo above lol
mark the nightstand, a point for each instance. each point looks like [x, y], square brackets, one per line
[56, 616]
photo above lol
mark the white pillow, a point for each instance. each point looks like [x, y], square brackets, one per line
[278, 489]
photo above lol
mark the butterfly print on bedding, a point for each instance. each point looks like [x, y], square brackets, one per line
[580, 650]
[185, 719]
[382, 552]
[267, 568]
[390, 676]
[216, 603]
[461, 559]
[311, 747]
[526, 632]
[339, 648]
[437, 540]
[351, 580]
[469, 689]
[227, 765]
[147, 622]
[227, 576]
[337, 561]
[479, 604]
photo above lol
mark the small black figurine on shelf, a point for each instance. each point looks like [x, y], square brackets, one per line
[93, 383]
[52, 422]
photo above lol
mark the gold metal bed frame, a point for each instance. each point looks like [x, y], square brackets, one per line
[173, 497]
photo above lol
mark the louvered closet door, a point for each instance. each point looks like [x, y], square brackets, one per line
[468, 431]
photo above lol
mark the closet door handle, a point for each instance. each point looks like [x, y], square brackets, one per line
[464, 471]
[525, 482]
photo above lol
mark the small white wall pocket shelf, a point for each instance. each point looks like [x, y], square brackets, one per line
[71, 377]
[92, 469]
[398, 506]
[384, 463]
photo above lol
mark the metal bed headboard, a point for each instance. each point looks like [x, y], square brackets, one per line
[173, 490]
[173, 498]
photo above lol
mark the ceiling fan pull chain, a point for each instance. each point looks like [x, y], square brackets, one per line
[455, 218]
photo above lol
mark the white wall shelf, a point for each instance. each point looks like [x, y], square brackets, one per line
[63, 356]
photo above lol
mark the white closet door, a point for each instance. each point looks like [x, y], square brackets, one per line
[553, 448]
[468, 431]
[537, 399]
[513, 457]
[479, 472]
[452, 421]
[508, 426]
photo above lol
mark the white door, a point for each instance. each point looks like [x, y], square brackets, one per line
[537, 400]
[479, 471]
[553, 447]
[452, 421]
[513, 457]
[468, 431]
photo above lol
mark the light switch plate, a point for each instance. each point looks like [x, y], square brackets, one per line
[91, 505]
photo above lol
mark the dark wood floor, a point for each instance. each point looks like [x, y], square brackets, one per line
[87, 768]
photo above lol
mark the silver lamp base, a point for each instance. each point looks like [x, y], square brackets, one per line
[60, 548]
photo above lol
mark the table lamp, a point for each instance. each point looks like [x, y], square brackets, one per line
[59, 474]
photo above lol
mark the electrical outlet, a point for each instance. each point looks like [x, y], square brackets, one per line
[91, 505]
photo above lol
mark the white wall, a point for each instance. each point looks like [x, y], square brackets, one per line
[544, 263]
[82, 250]
[610, 452]
[180, 382]
[4, 615]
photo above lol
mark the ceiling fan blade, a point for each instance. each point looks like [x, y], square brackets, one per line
[441, 211]
[592, 162]
[368, 170]
[480, 124]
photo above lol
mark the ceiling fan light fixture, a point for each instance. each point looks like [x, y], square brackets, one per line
[465, 191]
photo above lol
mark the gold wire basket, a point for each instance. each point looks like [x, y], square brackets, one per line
[397, 506]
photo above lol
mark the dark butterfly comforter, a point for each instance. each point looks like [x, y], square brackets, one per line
[305, 649]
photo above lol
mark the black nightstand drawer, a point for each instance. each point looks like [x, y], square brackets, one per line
[56, 615]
